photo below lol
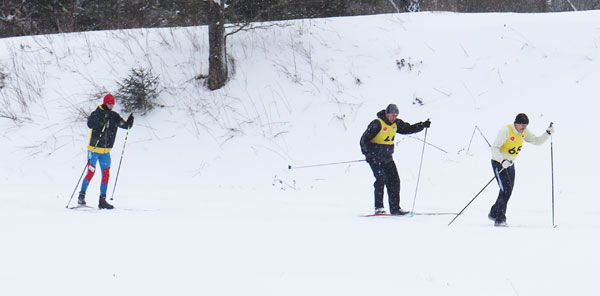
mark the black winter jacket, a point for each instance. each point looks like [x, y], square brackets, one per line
[104, 123]
[379, 153]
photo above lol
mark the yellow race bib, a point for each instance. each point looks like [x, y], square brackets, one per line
[386, 135]
[513, 144]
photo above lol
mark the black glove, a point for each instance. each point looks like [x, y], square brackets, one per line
[426, 123]
[550, 129]
[130, 121]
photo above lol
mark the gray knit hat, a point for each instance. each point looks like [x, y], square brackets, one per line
[391, 109]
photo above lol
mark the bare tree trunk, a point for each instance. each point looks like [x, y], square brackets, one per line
[9, 24]
[217, 68]
[542, 5]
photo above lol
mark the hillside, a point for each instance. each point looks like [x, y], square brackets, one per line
[206, 203]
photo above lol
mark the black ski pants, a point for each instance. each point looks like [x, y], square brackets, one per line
[506, 181]
[386, 175]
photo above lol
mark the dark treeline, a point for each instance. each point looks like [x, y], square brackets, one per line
[19, 17]
[50, 16]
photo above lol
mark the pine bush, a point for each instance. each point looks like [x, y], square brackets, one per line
[138, 92]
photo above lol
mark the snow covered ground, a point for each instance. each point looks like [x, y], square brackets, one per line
[206, 204]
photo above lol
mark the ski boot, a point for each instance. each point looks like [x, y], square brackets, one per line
[103, 204]
[380, 211]
[500, 222]
[399, 212]
[81, 199]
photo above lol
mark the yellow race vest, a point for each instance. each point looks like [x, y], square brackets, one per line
[513, 144]
[386, 134]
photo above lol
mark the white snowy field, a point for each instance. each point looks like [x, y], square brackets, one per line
[206, 204]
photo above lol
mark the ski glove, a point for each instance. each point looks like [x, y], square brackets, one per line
[550, 130]
[506, 163]
[130, 121]
[426, 123]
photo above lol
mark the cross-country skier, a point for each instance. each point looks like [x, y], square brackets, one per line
[104, 123]
[377, 144]
[505, 149]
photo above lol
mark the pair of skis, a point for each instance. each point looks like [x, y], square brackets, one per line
[411, 214]
[85, 207]
[408, 214]
[91, 208]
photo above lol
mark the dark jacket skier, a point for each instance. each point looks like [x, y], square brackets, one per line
[103, 123]
[377, 144]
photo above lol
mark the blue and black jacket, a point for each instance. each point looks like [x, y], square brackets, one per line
[104, 123]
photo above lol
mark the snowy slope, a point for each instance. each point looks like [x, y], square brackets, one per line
[206, 204]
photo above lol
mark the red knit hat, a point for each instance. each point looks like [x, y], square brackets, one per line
[109, 99]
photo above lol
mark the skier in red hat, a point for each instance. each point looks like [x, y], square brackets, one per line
[103, 123]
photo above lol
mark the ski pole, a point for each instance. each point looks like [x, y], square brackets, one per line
[480, 191]
[419, 174]
[89, 155]
[552, 169]
[119, 169]
[434, 146]
[323, 164]
[77, 185]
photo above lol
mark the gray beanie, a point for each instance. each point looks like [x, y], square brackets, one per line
[391, 109]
